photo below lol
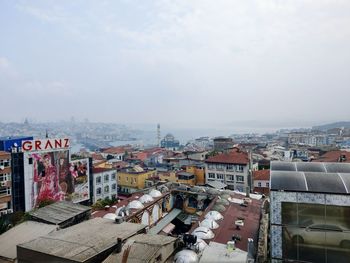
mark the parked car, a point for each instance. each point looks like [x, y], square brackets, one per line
[329, 235]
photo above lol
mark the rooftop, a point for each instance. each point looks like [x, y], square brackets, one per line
[232, 157]
[335, 156]
[113, 209]
[59, 212]
[97, 170]
[263, 175]
[216, 250]
[143, 248]
[250, 214]
[76, 243]
[19, 234]
[311, 177]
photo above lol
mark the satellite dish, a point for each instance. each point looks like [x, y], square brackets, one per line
[2, 167]
[15, 144]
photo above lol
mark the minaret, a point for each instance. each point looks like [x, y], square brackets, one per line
[158, 134]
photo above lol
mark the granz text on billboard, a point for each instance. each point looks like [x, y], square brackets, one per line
[49, 144]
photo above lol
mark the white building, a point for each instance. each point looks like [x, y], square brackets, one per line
[230, 168]
[104, 183]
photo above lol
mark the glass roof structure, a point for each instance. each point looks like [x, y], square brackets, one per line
[310, 177]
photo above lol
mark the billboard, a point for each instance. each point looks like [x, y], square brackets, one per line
[77, 180]
[46, 177]
[45, 144]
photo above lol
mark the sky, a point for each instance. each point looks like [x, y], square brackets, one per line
[189, 63]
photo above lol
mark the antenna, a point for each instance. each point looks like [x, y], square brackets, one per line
[158, 134]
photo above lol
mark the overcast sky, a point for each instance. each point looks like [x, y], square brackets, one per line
[185, 62]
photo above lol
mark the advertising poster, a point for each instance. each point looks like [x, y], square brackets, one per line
[78, 180]
[49, 176]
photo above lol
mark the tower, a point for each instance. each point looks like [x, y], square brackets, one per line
[158, 134]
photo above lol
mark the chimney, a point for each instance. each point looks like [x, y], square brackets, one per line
[247, 191]
[251, 251]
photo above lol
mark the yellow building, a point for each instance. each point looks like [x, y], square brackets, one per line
[199, 173]
[186, 178]
[133, 179]
[181, 177]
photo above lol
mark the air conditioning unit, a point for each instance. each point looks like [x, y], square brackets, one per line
[10, 211]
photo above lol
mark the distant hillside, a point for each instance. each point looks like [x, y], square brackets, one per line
[345, 124]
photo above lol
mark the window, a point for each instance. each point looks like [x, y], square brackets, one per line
[220, 166]
[259, 184]
[30, 160]
[239, 178]
[230, 177]
[230, 167]
[98, 191]
[239, 168]
[135, 180]
[106, 189]
[211, 175]
[5, 162]
[220, 176]
[98, 179]
[113, 176]
[106, 177]
[127, 179]
[4, 177]
[211, 166]
[267, 184]
[114, 187]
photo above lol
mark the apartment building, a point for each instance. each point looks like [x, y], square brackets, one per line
[133, 179]
[5, 183]
[230, 168]
[104, 183]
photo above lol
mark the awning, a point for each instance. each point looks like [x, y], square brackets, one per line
[164, 221]
[216, 184]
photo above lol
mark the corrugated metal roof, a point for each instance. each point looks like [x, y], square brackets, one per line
[311, 177]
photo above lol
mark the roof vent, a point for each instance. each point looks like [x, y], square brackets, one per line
[119, 220]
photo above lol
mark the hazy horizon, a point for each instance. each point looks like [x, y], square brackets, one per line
[198, 64]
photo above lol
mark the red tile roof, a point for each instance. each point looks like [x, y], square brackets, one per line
[334, 156]
[233, 157]
[114, 150]
[97, 170]
[97, 157]
[263, 175]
